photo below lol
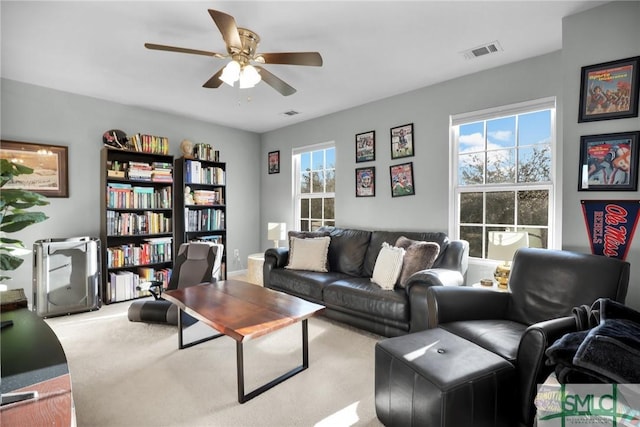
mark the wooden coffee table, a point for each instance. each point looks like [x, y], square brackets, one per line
[244, 311]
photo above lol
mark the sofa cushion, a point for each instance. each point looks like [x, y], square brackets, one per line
[378, 237]
[305, 284]
[388, 266]
[420, 255]
[347, 250]
[501, 337]
[309, 254]
[362, 296]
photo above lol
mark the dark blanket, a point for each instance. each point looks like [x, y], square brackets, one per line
[608, 352]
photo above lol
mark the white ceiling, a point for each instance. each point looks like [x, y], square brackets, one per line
[371, 50]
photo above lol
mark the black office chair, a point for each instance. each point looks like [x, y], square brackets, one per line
[196, 262]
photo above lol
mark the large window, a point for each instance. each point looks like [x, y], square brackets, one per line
[504, 176]
[315, 186]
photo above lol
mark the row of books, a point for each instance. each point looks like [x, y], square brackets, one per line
[206, 152]
[126, 196]
[196, 173]
[129, 223]
[151, 252]
[204, 219]
[208, 197]
[151, 172]
[149, 143]
[126, 285]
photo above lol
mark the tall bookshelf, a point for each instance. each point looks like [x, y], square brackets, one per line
[201, 202]
[137, 223]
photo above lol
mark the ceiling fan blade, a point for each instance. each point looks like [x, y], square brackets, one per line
[293, 58]
[228, 28]
[214, 82]
[275, 82]
[182, 50]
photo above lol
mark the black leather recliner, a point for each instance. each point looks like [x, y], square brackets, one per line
[545, 285]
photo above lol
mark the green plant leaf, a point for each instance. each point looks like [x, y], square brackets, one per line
[17, 222]
[10, 262]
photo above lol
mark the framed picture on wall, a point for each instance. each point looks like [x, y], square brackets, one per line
[609, 90]
[366, 182]
[366, 146]
[402, 180]
[50, 176]
[274, 162]
[609, 162]
[402, 141]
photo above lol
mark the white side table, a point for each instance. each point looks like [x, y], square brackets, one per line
[254, 268]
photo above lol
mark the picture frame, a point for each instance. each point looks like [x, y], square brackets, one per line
[274, 162]
[50, 175]
[609, 90]
[366, 146]
[401, 177]
[609, 162]
[402, 141]
[366, 182]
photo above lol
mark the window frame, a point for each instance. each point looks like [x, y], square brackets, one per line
[553, 186]
[296, 171]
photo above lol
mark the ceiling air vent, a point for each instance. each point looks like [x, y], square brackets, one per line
[290, 113]
[485, 49]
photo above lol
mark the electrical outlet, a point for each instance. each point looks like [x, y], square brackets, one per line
[236, 253]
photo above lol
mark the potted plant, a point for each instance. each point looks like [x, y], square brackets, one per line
[14, 214]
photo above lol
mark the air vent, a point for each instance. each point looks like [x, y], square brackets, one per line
[483, 50]
[290, 113]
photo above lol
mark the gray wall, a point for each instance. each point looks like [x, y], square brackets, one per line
[556, 74]
[36, 114]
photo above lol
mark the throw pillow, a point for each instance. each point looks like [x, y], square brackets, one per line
[420, 256]
[309, 254]
[388, 266]
[306, 235]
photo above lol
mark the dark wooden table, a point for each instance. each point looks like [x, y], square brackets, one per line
[244, 311]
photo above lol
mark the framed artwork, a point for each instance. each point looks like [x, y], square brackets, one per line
[366, 146]
[366, 182]
[274, 162]
[609, 162]
[609, 90]
[50, 175]
[402, 141]
[402, 180]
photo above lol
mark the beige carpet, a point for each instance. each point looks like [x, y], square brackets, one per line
[132, 374]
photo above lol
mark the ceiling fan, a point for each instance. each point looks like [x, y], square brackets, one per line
[241, 48]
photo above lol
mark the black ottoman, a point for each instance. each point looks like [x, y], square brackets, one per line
[435, 378]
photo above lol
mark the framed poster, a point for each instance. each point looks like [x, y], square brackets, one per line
[402, 180]
[274, 162]
[366, 146]
[609, 162]
[402, 141]
[609, 90]
[366, 182]
[49, 163]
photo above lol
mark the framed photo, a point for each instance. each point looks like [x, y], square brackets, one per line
[366, 182]
[402, 141]
[609, 90]
[609, 162]
[274, 162]
[366, 146]
[50, 176]
[402, 180]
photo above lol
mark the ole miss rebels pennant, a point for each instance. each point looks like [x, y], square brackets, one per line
[611, 225]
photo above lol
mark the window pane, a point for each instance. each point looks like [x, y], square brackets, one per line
[317, 158]
[538, 237]
[501, 133]
[317, 182]
[471, 137]
[474, 236]
[533, 207]
[305, 162]
[330, 181]
[501, 207]
[304, 225]
[329, 204]
[305, 183]
[331, 158]
[471, 169]
[304, 208]
[471, 208]
[534, 164]
[316, 208]
[501, 166]
[315, 224]
[534, 128]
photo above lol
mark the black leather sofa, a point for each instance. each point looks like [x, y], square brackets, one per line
[346, 289]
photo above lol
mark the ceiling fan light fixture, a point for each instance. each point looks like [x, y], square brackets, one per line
[249, 77]
[231, 73]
